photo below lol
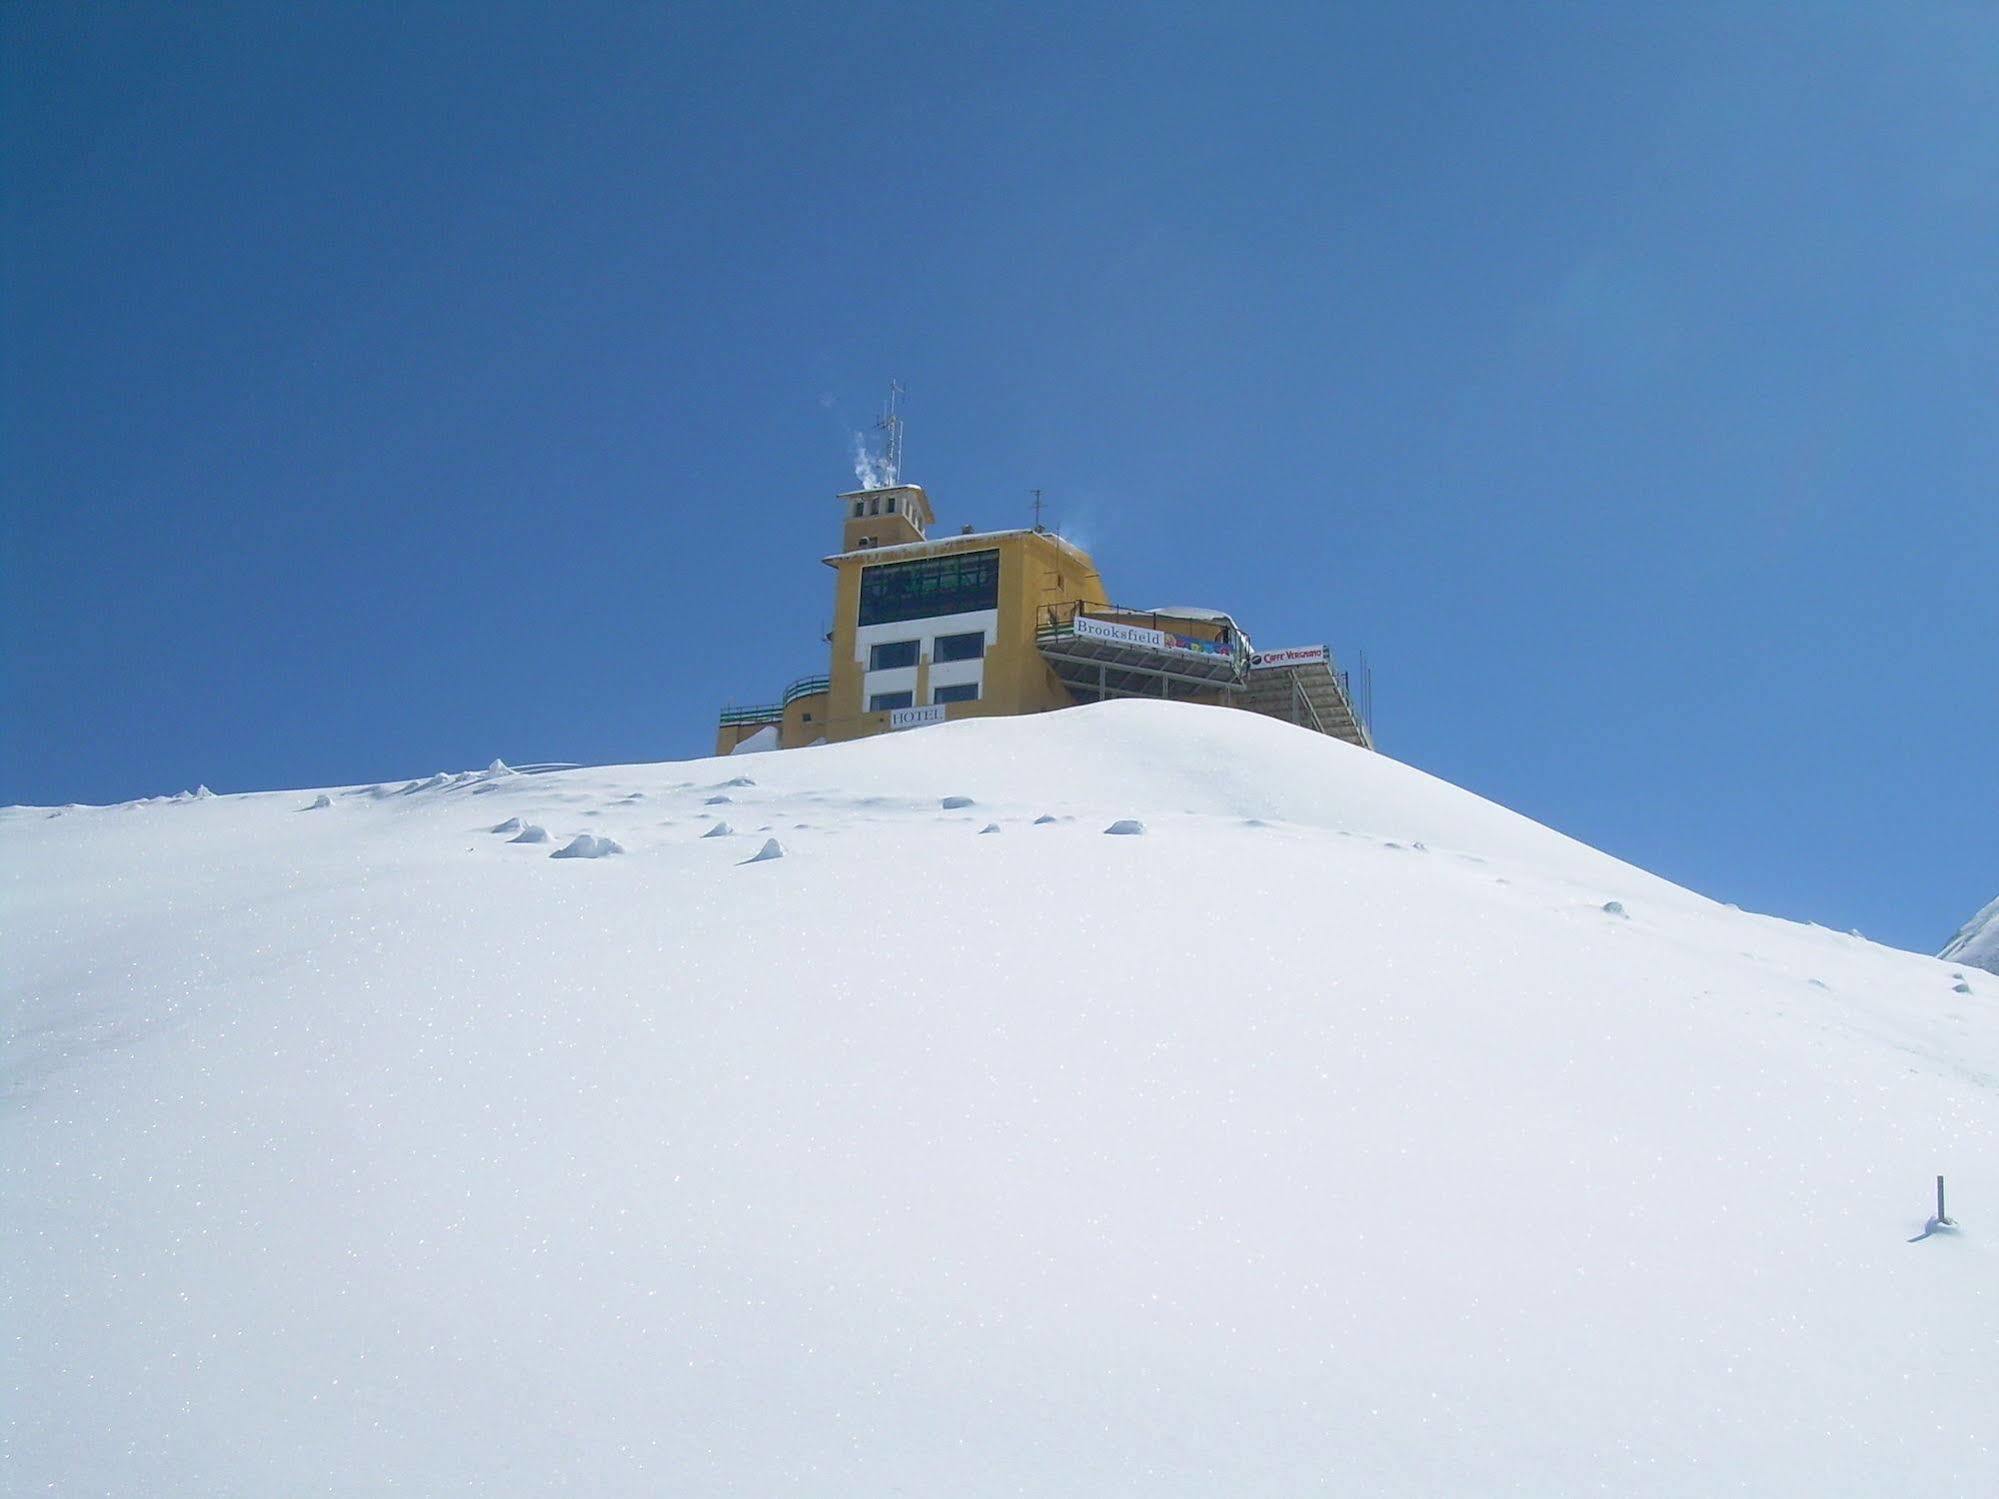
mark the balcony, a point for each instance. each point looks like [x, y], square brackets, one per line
[1101, 651]
[774, 712]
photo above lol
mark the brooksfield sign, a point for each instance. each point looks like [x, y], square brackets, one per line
[1101, 629]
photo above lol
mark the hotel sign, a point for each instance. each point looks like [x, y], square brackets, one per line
[1101, 629]
[1297, 655]
[915, 718]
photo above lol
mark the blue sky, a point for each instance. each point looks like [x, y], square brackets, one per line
[387, 388]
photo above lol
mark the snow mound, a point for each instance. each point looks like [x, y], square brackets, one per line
[720, 830]
[511, 825]
[1126, 827]
[763, 740]
[1977, 941]
[772, 849]
[588, 846]
[319, 803]
[530, 833]
[1231, 1162]
[953, 803]
[991, 827]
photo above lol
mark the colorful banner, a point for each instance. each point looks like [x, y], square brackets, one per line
[1196, 647]
[1158, 640]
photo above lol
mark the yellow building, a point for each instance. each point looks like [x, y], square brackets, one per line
[985, 623]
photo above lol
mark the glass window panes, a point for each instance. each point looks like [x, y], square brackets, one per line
[960, 647]
[962, 692]
[883, 702]
[890, 654]
[895, 591]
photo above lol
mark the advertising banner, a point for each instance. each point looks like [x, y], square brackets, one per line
[1102, 629]
[1297, 655]
[915, 718]
[1196, 647]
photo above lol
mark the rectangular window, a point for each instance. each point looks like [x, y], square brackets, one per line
[960, 647]
[859, 507]
[891, 654]
[895, 591]
[882, 702]
[963, 692]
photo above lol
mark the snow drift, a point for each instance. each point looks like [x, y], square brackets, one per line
[1337, 1135]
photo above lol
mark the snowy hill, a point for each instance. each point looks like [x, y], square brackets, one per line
[1340, 1133]
[1977, 941]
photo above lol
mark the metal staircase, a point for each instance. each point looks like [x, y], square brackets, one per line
[1313, 696]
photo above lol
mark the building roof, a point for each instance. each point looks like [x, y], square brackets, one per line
[918, 548]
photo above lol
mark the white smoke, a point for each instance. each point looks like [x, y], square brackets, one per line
[1078, 526]
[871, 470]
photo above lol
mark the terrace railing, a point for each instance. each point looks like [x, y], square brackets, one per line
[774, 712]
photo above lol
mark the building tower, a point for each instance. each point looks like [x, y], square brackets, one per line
[889, 517]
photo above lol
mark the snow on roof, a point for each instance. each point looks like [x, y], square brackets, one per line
[1193, 611]
[914, 548]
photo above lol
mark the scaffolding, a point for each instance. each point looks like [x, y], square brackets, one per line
[1100, 651]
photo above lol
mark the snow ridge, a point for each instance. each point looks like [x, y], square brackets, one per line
[1977, 941]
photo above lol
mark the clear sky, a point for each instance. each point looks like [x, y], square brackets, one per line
[391, 387]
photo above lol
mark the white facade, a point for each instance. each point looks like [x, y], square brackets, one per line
[925, 632]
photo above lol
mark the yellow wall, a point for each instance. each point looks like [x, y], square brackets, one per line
[729, 735]
[879, 526]
[804, 721]
[1037, 573]
[1041, 579]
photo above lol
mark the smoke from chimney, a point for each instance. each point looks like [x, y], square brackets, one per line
[870, 470]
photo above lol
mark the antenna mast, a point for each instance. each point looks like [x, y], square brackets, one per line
[891, 425]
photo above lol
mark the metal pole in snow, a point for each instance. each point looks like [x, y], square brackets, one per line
[1941, 1216]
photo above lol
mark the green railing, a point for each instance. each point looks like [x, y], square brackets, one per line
[774, 712]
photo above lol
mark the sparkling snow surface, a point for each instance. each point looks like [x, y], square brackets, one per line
[1337, 1136]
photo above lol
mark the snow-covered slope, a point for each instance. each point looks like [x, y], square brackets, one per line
[1977, 942]
[1343, 1133]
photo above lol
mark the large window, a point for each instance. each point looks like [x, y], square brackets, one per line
[963, 692]
[882, 702]
[895, 591]
[890, 654]
[961, 647]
